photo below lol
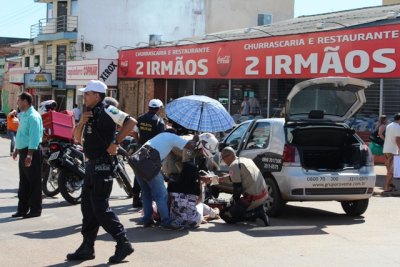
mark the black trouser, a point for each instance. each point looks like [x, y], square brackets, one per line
[237, 212]
[30, 183]
[136, 187]
[95, 195]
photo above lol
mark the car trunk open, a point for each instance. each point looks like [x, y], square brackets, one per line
[329, 148]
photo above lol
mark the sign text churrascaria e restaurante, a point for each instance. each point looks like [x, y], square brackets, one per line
[365, 53]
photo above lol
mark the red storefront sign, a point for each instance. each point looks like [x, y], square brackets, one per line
[368, 53]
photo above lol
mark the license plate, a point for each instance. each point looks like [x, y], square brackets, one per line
[54, 155]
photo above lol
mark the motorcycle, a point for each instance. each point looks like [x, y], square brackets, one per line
[129, 145]
[49, 173]
[121, 175]
[66, 168]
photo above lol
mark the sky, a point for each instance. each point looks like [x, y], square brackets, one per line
[17, 16]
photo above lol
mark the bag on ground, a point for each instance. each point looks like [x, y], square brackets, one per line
[396, 166]
[376, 149]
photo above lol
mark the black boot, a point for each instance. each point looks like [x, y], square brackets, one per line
[263, 215]
[137, 202]
[122, 249]
[84, 252]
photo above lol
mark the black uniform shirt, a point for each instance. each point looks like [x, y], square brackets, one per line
[98, 133]
[149, 125]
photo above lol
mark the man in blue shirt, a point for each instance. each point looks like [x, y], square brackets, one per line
[29, 136]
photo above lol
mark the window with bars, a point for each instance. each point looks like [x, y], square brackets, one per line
[49, 59]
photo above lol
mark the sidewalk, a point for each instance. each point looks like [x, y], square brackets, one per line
[380, 171]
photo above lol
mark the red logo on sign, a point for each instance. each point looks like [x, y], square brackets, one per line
[124, 67]
[224, 60]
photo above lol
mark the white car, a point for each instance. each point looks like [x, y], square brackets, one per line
[311, 154]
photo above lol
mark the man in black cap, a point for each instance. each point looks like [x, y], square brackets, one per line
[149, 125]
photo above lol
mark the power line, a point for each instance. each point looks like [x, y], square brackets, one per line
[25, 10]
[19, 17]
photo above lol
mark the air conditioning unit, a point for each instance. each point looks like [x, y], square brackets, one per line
[31, 51]
[86, 47]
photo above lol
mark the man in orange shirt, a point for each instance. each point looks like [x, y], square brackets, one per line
[12, 127]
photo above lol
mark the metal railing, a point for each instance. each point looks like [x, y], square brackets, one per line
[54, 25]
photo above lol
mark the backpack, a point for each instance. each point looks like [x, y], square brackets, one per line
[145, 162]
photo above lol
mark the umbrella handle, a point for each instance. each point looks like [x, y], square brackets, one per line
[201, 113]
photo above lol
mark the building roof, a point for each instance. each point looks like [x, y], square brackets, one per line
[11, 40]
[348, 19]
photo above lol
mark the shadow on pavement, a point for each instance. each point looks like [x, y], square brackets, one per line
[70, 263]
[380, 184]
[295, 221]
[9, 190]
[12, 209]
[52, 233]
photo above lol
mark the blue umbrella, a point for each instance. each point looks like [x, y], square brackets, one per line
[200, 113]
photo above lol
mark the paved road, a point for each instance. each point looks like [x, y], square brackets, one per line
[308, 234]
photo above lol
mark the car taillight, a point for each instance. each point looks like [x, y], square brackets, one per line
[289, 153]
[369, 157]
[54, 147]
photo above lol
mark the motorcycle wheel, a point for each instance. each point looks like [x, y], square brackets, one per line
[123, 180]
[49, 180]
[70, 186]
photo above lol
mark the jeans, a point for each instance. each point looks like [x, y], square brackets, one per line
[11, 135]
[154, 190]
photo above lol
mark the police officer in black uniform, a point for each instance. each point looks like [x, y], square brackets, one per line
[98, 126]
[149, 125]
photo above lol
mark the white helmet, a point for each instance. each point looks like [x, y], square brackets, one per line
[46, 106]
[208, 143]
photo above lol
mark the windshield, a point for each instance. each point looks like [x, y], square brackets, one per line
[3, 116]
[320, 97]
[233, 140]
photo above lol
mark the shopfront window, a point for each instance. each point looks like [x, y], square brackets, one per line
[262, 102]
[179, 88]
[217, 89]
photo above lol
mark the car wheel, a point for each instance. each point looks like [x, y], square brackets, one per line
[356, 207]
[274, 204]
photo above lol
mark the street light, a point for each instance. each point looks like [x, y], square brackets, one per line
[118, 48]
[186, 40]
[391, 14]
[168, 42]
[126, 46]
[214, 35]
[322, 25]
[106, 46]
[140, 43]
[247, 30]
